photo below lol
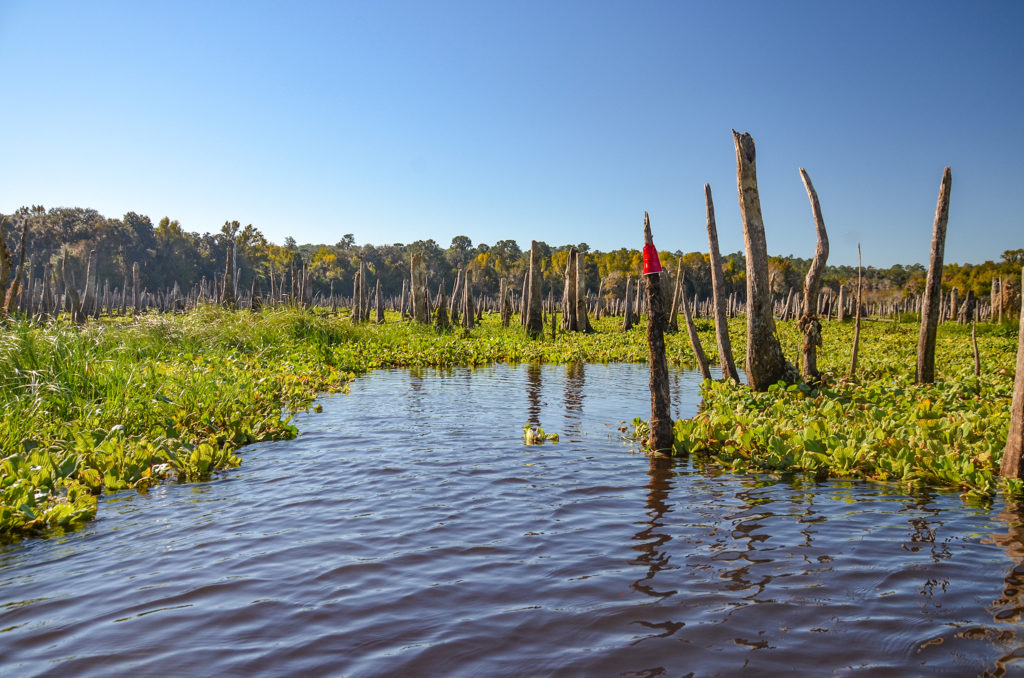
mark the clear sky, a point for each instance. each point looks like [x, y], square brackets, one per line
[558, 121]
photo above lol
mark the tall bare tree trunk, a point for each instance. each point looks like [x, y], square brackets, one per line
[569, 293]
[534, 317]
[419, 294]
[15, 287]
[468, 304]
[661, 437]
[809, 323]
[582, 321]
[933, 288]
[856, 322]
[718, 294]
[441, 321]
[228, 284]
[691, 331]
[1011, 466]
[379, 304]
[766, 364]
[628, 318]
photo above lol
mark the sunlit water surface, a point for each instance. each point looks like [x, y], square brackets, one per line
[408, 531]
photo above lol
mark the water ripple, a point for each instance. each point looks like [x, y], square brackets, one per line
[408, 531]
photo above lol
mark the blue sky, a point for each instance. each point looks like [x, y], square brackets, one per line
[557, 121]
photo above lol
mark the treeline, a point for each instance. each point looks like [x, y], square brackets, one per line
[168, 255]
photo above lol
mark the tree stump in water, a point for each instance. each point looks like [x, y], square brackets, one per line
[661, 438]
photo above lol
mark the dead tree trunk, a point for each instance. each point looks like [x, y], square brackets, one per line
[1011, 466]
[582, 321]
[70, 292]
[718, 294]
[809, 323]
[766, 365]
[505, 304]
[468, 303]
[628, 319]
[930, 310]
[6, 259]
[228, 284]
[673, 309]
[534, 316]
[691, 331]
[856, 322]
[379, 304]
[15, 286]
[419, 294]
[661, 437]
[569, 293]
[441, 321]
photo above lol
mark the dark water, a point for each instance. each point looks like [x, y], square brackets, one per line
[409, 532]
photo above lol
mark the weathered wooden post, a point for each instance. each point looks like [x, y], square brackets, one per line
[933, 288]
[766, 364]
[534, 318]
[809, 323]
[1011, 466]
[661, 437]
[718, 294]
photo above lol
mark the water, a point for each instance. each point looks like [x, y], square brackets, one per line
[409, 532]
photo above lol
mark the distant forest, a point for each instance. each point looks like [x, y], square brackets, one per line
[168, 254]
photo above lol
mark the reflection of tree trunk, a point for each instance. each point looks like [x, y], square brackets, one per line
[766, 364]
[533, 393]
[574, 383]
[1009, 606]
[649, 539]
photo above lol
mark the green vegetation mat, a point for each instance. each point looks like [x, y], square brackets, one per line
[125, 404]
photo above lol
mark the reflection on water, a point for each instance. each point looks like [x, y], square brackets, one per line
[408, 531]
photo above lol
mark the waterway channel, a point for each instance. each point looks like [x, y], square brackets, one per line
[408, 531]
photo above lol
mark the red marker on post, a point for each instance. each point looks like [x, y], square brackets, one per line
[652, 264]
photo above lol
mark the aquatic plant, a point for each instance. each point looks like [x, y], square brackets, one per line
[536, 435]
